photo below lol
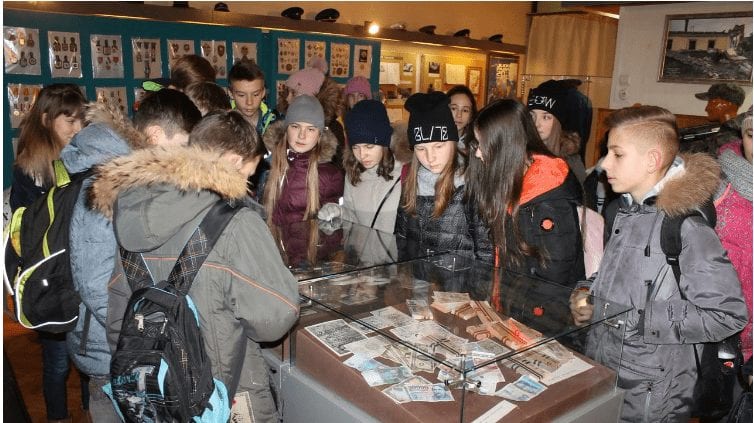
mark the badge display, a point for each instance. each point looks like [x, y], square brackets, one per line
[214, 52]
[21, 48]
[113, 97]
[288, 55]
[244, 51]
[178, 49]
[107, 56]
[340, 58]
[64, 52]
[362, 61]
[314, 49]
[21, 98]
[147, 59]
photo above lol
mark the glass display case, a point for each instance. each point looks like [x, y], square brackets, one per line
[447, 338]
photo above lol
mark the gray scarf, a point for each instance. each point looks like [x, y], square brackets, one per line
[427, 181]
[738, 172]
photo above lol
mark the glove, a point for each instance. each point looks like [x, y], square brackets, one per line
[328, 212]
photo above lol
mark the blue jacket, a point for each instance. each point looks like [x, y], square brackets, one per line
[93, 246]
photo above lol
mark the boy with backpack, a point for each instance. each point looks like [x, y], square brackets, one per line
[164, 118]
[243, 294]
[658, 367]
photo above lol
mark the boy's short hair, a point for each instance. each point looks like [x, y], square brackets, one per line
[169, 109]
[208, 96]
[245, 70]
[227, 131]
[189, 69]
[649, 125]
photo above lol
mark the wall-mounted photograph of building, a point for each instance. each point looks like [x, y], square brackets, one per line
[708, 47]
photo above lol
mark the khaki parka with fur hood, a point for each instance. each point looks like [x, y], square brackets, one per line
[244, 293]
[291, 204]
[657, 368]
[93, 248]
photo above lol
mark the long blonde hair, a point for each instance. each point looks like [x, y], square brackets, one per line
[278, 170]
[444, 187]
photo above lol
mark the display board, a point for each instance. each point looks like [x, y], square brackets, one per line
[110, 57]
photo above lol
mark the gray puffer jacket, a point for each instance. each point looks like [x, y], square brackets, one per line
[92, 240]
[244, 294]
[657, 367]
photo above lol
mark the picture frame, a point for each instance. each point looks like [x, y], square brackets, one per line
[474, 79]
[707, 48]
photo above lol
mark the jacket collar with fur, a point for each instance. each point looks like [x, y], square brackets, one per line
[690, 186]
[188, 169]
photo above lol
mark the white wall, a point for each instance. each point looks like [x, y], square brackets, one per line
[638, 52]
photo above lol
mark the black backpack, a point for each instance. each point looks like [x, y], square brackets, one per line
[719, 364]
[160, 371]
[37, 258]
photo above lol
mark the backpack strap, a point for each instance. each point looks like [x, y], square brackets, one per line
[200, 245]
[379, 208]
[62, 178]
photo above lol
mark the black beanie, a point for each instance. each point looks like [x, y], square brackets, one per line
[367, 123]
[559, 99]
[430, 118]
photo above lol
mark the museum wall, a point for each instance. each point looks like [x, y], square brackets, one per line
[638, 55]
[482, 18]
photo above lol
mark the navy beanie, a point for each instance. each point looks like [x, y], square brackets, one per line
[559, 99]
[430, 118]
[367, 123]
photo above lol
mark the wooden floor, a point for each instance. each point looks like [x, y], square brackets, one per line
[25, 355]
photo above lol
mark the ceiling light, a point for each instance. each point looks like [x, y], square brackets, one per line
[372, 27]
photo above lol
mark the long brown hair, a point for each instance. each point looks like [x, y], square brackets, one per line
[507, 140]
[444, 186]
[562, 143]
[354, 168]
[37, 144]
[278, 170]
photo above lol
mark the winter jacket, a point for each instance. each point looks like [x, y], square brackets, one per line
[24, 190]
[360, 202]
[459, 228]
[548, 219]
[657, 367]
[292, 202]
[734, 214]
[243, 293]
[92, 240]
[303, 245]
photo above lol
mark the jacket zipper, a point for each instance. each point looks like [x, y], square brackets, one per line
[646, 403]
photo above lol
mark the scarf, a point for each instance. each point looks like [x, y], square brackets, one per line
[738, 171]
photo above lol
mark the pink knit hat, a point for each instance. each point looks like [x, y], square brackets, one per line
[308, 81]
[359, 84]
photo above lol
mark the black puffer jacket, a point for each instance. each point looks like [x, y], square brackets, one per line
[550, 222]
[459, 228]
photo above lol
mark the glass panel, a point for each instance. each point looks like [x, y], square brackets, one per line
[457, 323]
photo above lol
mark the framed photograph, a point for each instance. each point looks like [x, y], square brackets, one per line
[433, 69]
[475, 79]
[704, 48]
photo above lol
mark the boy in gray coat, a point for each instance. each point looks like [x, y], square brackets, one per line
[658, 369]
[243, 293]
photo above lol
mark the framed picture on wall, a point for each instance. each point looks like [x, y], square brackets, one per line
[702, 48]
[475, 80]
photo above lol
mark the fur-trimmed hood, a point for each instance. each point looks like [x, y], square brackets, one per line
[186, 169]
[691, 186]
[109, 134]
[277, 131]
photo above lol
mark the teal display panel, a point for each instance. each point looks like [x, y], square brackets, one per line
[160, 39]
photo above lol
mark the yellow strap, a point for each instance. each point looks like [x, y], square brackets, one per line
[61, 173]
[51, 214]
[14, 229]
